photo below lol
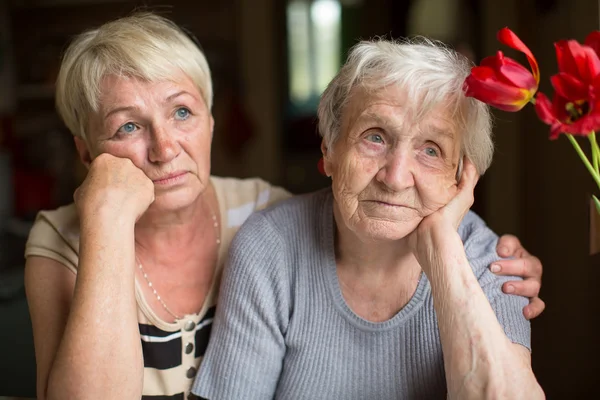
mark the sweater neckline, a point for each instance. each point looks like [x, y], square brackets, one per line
[327, 229]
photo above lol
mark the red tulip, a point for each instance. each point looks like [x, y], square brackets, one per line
[575, 108]
[501, 81]
[565, 116]
[579, 67]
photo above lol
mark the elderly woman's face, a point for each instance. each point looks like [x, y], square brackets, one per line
[388, 170]
[164, 128]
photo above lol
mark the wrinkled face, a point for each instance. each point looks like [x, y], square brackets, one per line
[164, 128]
[388, 170]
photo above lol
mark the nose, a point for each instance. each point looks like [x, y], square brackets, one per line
[397, 173]
[164, 146]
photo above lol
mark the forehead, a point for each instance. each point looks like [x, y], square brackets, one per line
[127, 90]
[391, 106]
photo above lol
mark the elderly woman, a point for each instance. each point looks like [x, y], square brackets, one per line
[379, 287]
[122, 284]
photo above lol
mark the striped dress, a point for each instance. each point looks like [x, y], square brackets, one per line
[172, 351]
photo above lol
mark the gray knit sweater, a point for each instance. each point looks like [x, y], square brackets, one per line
[283, 330]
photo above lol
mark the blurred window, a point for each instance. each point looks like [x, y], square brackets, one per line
[314, 43]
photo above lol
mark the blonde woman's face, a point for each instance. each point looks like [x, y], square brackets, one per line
[388, 170]
[164, 128]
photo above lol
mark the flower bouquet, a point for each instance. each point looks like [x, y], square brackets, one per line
[505, 84]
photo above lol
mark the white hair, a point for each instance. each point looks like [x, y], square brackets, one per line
[144, 46]
[432, 75]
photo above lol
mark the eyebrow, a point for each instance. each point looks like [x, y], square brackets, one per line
[440, 132]
[119, 109]
[132, 108]
[386, 122]
[175, 95]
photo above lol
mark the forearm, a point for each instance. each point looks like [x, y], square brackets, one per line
[480, 361]
[100, 354]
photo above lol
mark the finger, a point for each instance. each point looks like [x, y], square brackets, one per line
[469, 176]
[510, 246]
[535, 307]
[462, 202]
[76, 193]
[527, 267]
[528, 288]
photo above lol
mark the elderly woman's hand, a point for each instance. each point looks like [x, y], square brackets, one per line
[114, 187]
[439, 230]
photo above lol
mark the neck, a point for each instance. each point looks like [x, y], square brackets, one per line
[370, 257]
[173, 238]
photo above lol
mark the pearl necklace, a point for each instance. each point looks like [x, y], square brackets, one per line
[160, 300]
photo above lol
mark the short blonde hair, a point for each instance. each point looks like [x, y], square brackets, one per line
[432, 75]
[144, 46]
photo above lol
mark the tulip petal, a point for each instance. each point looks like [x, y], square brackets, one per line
[569, 87]
[484, 85]
[591, 68]
[564, 57]
[593, 41]
[518, 75]
[544, 109]
[577, 60]
[509, 38]
[510, 71]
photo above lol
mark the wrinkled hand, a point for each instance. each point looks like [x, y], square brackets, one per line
[524, 265]
[114, 187]
[438, 233]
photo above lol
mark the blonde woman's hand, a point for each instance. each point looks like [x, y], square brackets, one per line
[114, 188]
[437, 235]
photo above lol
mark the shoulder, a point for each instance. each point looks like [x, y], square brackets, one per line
[55, 234]
[290, 219]
[239, 198]
[237, 192]
[479, 241]
[298, 211]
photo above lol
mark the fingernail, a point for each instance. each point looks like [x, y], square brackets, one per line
[510, 289]
[495, 268]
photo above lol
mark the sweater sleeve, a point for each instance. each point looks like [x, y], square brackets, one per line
[480, 246]
[247, 347]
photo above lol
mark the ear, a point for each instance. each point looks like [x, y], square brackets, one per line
[82, 149]
[327, 167]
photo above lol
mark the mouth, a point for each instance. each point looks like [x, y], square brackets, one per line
[170, 178]
[388, 204]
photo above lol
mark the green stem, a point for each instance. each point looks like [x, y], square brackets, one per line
[585, 160]
[595, 150]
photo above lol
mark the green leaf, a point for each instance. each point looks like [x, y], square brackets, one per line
[597, 203]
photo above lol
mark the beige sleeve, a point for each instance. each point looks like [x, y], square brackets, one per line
[278, 194]
[45, 241]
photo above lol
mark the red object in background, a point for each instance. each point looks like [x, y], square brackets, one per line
[239, 129]
[33, 191]
[321, 166]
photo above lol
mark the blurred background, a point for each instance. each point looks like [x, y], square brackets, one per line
[270, 60]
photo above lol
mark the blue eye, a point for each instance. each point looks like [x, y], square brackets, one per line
[431, 152]
[182, 113]
[128, 128]
[375, 138]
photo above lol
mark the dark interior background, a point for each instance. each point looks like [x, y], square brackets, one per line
[537, 189]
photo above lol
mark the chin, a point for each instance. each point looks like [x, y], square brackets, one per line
[376, 229]
[175, 200]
